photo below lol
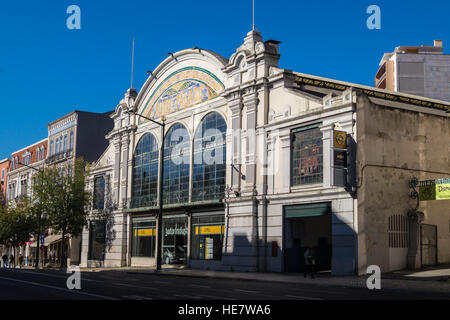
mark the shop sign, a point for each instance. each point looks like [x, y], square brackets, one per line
[339, 139]
[437, 189]
[144, 232]
[176, 231]
[209, 230]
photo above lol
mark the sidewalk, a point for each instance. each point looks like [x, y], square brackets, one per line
[435, 280]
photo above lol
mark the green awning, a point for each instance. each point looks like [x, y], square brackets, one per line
[308, 210]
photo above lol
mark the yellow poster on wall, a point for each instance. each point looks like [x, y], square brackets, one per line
[437, 189]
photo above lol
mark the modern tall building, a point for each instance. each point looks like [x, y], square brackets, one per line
[261, 162]
[78, 134]
[418, 70]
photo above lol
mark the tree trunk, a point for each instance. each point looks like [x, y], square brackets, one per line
[14, 255]
[37, 249]
[63, 247]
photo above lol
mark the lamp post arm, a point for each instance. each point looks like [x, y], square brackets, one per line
[139, 115]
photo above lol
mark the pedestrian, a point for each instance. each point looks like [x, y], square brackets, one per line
[11, 261]
[20, 261]
[309, 262]
[5, 260]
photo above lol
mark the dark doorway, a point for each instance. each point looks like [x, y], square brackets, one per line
[303, 232]
[428, 244]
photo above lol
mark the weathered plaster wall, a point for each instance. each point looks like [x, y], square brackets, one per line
[395, 145]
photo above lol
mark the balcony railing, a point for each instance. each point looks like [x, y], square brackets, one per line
[59, 156]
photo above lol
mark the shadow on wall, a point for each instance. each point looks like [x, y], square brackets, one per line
[243, 256]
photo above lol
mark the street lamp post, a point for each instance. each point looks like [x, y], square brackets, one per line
[39, 225]
[162, 125]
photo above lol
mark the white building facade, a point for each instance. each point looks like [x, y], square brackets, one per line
[248, 170]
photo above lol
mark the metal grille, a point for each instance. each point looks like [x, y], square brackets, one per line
[398, 231]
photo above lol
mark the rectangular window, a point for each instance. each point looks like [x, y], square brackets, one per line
[51, 148]
[143, 237]
[71, 140]
[65, 143]
[207, 236]
[99, 192]
[307, 156]
[97, 237]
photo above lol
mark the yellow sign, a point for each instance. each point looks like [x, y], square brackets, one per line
[144, 232]
[438, 189]
[209, 230]
[340, 139]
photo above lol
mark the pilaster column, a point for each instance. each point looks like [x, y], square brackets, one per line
[116, 172]
[124, 167]
[236, 124]
[283, 163]
[327, 151]
[251, 103]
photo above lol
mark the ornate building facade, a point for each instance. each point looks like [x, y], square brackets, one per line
[250, 175]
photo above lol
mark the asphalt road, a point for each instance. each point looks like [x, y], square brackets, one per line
[22, 284]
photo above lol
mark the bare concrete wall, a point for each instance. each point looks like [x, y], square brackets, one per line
[395, 145]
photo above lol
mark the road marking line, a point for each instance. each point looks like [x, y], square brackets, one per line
[246, 291]
[214, 297]
[133, 286]
[58, 288]
[59, 276]
[186, 296]
[137, 298]
[304, 298]
[199, 286]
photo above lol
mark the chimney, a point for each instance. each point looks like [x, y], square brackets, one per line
[438, 43]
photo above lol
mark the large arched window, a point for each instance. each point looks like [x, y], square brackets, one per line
[145, 173]
[208, 181]
[176, 165]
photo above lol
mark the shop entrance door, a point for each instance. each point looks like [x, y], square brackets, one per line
[307, 226]
[428, 244]
[174, 244]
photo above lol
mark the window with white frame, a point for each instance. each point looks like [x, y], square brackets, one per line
[38, 154]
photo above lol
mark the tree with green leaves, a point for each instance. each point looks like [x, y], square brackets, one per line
[16, 224]
[65, 200]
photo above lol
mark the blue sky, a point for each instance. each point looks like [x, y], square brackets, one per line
[47, 70]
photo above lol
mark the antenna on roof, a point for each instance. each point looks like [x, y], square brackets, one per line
[253, 27]
[132, 65]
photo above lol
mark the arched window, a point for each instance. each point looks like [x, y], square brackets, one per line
[176, 165]
[208, 181]
[145, 173]
[42, 153]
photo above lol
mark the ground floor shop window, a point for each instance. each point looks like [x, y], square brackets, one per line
[174, 244]
[97, 235]
[143, 237]
[207, 236]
